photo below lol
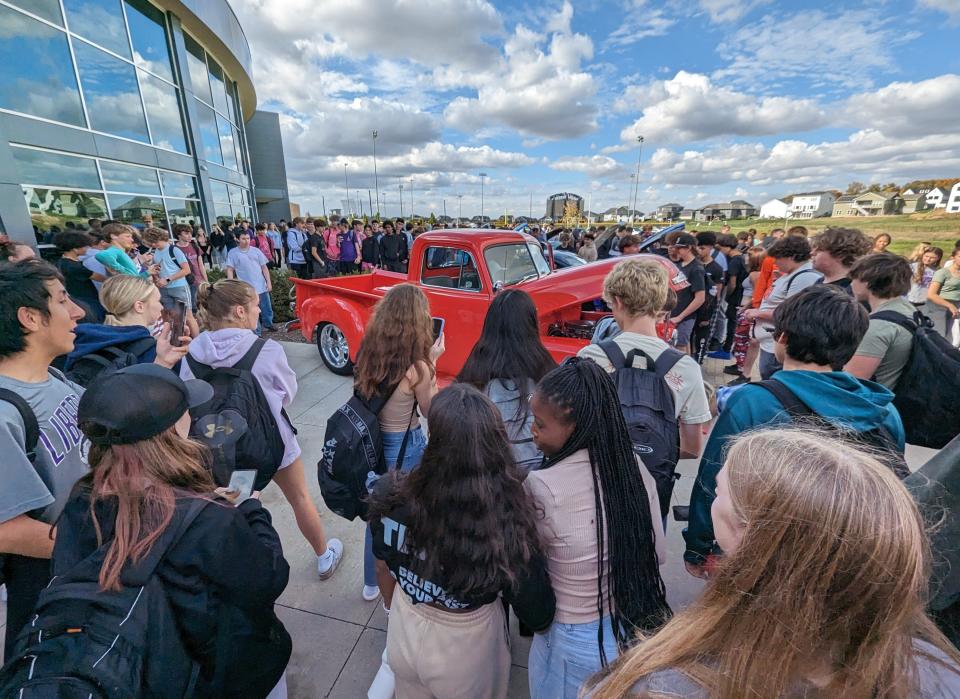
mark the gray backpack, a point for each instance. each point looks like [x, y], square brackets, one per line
[518, 419]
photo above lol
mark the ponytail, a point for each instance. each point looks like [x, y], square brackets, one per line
[216, 302]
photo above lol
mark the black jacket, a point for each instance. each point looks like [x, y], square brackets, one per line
[229, 555]
[393, 248]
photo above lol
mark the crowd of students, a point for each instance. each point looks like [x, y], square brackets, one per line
[529, 492]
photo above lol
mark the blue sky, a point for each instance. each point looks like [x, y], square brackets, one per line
[735, 99]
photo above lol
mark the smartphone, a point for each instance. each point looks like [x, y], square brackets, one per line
[241, 482]
[438, 324]
[178, 322]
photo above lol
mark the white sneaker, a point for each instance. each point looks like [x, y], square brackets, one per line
[335, 546]
[370, 592]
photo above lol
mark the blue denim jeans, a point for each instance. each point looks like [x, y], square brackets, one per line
[411, 457]
[565, 656]
[266, 311]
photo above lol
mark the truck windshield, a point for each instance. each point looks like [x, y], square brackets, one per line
[510, 264]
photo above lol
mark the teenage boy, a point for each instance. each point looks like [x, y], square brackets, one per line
[248, 264]
[172, 271]
[816, 332]
[690, 299]
[881, 280]
[37, 322]
[714, 280]
[834, 252]
[636, 291]
[791, 257]
[295, 239]
[116, 257]
[733, 291]
[187, 245]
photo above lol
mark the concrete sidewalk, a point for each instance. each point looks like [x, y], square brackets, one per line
[337, 637]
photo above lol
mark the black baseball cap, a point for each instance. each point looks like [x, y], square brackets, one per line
[685, 240]
[136, 403]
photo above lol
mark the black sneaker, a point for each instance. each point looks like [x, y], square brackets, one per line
[733, 370]
[739, 380]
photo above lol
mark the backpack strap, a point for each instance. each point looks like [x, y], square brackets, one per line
[803, 271]
[142, 345]
[206, 372]
[897, 319]
[666, 361]
[31, 427]
[614, 354]
[787, 398]
[249, 359]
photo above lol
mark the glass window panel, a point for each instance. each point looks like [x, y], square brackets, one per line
[197, 67]
[149, 36]
[55, 169]
[179, 185]
[51, 209]
[182, 210]
[163, 110]
[129, 178]
[100, 21]
[209, 136]
[241, 213]
[231, 103]
[111, 93]
[138, 210]
[219, 191]
[239, 147]
[227, 143]
[236, 194]
[48, 9]
[38, 74]
[218, 87]
[223, 214]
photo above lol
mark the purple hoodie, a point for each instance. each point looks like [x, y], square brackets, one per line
[224, 348]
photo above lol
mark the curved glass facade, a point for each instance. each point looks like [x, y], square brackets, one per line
[110, 109]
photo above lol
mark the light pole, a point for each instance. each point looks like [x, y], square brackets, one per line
[483, 176]
[412, 211]
[637, 190]
[633, 180]
[444, 211]
[400, 182]
[459, 210]
[346, 187]
[376, 181]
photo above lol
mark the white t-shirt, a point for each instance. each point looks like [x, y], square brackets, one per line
[684, 379]
[247, 265]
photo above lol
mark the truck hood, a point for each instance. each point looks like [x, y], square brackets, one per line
[576, 285]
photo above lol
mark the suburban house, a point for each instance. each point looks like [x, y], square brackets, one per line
[668, 212]
[868, 204]
[811, 205]
[738, 208]
[688, 214]
[775, 208]
[621, 214]
[953, 202]
[937, 198]
[913, 202]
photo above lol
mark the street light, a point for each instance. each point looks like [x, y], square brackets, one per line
[633, 180]
[637, 190]
[482, 177]
[346, 186]
[400, 182]
[412, 211]
[376, 181]
[459, 210]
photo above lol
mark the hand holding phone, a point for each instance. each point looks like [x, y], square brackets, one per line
[438, 324]
[240, 487]
[178, 322]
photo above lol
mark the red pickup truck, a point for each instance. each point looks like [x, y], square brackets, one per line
[460, 271]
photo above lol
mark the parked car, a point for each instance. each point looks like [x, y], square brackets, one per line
[460, 271]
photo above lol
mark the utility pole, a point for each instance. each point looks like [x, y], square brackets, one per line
[400, 183]
[412, 208]
[459, 210]
[346, 187]
[637, 190]
[324, 202]
[633, 179]
[376, 181]
[444, 210]
[483, 176]
[370, 202]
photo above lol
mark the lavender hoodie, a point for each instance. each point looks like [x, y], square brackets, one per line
[224, 348]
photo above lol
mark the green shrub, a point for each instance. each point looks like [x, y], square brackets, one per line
[280, 297]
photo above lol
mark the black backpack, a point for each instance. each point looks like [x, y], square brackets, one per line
[927, 391]
[650, 411]
[89, 366]
[191, 277]
[878, 440]
[236, 424]
[88, 643]
[352, 458]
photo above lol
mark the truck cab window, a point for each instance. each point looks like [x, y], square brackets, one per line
[450, 268]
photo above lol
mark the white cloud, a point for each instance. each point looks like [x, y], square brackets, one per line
[639, 21]
[590, 165]
[540, 89]
[690, 107]
[729, 10]
[950, 7]
[844, 49]
[909, 110]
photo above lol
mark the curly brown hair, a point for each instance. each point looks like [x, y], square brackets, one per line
[398, 336]
[845, 244]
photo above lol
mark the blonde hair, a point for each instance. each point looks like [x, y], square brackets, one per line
[641, 286]
[119, 294]
[829, 578]
[216, 302]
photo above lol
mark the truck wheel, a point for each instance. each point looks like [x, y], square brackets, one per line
[334, 350]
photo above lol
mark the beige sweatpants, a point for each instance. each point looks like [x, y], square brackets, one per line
[441, 655]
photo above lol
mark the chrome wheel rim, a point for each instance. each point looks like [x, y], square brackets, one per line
[333, 346]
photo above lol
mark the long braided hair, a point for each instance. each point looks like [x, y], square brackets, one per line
[636, 596]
